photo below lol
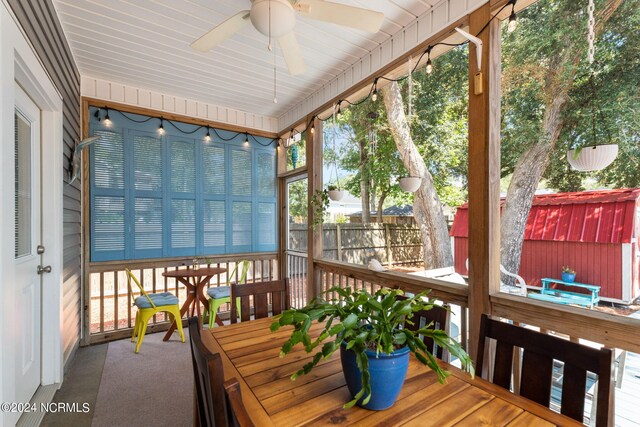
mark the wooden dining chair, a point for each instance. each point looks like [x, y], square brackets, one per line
[211, 407]
[236, 411]
[265, 295]
[539, 352]
[438, 317]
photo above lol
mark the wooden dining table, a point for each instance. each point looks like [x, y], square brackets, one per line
[250, 353]
[195, 280]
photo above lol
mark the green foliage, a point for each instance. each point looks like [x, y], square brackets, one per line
[298, 199]
[550, 34]
[365, 321]
[319, 204]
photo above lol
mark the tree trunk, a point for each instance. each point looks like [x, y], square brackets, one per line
[427, 209]
[383, 196]
[534, 161]
[364, 184]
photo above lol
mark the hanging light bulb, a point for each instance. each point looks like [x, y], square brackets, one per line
[207, 137]
[429, 68]
[338, 111]
[313, 129]
[161, 127]
[107, 120]
[513, 23]
[374, 96]
[246, 139]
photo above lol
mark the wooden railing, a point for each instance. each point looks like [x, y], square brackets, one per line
[109, 312]
[297, 274]
[339, 274]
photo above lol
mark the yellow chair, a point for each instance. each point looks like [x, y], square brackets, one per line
[150, 304]
[222, 294]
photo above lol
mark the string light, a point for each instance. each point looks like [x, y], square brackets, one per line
[107, 120]
[207, 137]
[339, 110]
[246, 139]
[511, 27]
[374, 96]
[313, 129]
[161, 127]
[429, 68]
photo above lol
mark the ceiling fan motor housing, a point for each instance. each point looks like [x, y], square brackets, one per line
[283, 17]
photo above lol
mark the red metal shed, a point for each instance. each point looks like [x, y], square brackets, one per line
[594, 232]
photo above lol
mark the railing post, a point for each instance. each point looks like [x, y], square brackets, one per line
[314, 234]
[339, 241]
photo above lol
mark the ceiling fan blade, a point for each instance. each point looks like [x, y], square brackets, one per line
[291, 52]
[222, 32]
[348, 16]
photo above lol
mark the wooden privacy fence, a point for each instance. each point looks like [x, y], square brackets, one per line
[109, 312]
[391, 244]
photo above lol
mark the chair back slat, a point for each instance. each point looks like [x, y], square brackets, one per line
[539, 352]
[260, 293]
[537, 373]
[209, 380]
[503, 364]
[236, 411]
[574, 384]
[438, 317]
[131, 277]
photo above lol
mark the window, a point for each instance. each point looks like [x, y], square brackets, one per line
[178, 194]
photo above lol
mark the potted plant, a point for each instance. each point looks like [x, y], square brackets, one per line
[374, 345]
[335, 193]
[568, 274]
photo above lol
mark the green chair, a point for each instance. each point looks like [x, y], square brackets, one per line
[150, 304]
[222, 294]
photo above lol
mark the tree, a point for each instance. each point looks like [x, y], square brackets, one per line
[427, 209]
[540, 75]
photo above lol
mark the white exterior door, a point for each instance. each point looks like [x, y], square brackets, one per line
[28, 292]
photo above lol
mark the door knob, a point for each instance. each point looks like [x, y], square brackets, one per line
[45, 269]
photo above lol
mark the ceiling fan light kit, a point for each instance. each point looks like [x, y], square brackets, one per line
[283, 17]
[277, 19]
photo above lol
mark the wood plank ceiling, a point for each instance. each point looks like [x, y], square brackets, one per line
[145, 43]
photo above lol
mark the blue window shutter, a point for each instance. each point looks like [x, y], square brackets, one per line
[178, 195]
[214, 226]
[183, 227]
[213, 169]
[241, 173]
[242, 226]
[108, 204]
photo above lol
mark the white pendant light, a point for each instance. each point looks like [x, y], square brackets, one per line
[593, 158]
[410, 184]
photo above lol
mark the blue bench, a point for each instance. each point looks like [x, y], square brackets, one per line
[561, 296]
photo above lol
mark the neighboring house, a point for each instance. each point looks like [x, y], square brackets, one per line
[594, 232]
[343, 208]
[399, 215]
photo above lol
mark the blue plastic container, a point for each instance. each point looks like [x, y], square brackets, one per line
[568, 277]
[388, 372]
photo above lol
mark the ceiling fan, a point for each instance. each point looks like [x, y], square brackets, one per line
[276, 18]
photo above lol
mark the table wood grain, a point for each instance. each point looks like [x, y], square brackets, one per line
[250, 353]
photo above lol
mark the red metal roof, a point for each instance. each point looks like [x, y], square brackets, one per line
[604, 216]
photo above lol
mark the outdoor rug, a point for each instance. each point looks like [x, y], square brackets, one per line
[153, 387]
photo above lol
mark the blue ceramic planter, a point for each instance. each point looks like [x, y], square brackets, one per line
[568, 277]
[388, 372]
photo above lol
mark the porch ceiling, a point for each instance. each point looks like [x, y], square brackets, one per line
[145, 44]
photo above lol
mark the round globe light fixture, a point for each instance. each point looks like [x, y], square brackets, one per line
[283, 17]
